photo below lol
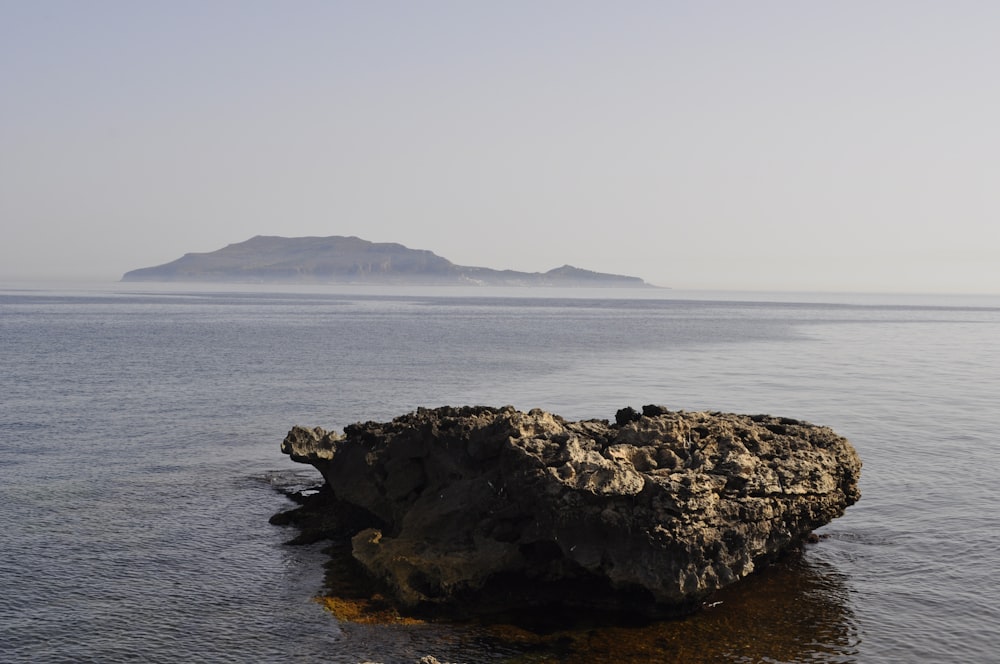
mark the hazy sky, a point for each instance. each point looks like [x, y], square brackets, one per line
[840, 145]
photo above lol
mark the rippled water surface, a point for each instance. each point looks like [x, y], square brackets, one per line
[139, 436]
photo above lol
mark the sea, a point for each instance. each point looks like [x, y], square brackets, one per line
[140, 432]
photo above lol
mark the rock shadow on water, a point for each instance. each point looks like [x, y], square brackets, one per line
[795, 610]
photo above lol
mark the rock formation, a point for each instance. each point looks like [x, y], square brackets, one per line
[498, 509]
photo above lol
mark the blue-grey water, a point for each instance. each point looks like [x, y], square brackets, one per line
[139, 449]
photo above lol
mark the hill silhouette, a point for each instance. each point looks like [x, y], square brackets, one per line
[351, 260]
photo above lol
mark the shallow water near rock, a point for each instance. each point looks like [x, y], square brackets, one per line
[140, 432]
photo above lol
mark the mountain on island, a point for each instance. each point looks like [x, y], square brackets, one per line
[351, 260]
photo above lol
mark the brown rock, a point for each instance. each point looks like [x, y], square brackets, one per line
[494, 509]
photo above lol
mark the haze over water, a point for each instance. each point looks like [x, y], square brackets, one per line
[843, 146]
[140, 429]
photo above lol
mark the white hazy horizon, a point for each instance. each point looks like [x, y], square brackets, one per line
[776, 145]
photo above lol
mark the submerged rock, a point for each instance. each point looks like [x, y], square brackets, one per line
[493, 509]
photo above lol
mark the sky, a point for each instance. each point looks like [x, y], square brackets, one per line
[768, 145]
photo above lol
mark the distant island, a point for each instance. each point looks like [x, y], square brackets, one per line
[351, 260]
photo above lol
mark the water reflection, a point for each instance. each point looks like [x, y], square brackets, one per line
[797, 610]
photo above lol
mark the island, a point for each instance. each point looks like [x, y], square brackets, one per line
[351, 260]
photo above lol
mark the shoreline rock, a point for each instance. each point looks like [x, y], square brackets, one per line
[491, 510]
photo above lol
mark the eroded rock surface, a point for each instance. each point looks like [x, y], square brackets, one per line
[498, 509]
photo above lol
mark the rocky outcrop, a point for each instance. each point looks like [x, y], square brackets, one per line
[499, 509]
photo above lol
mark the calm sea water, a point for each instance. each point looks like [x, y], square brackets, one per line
[139, 449]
